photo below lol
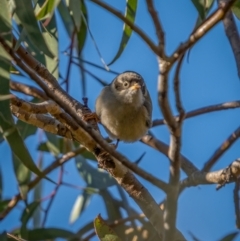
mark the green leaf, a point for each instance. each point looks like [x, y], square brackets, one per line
[74, 7]
[25, 129]
[25, 13]
[50, 34]
[27, 214]
[23, 175]
[49, 147]
[37, 195]
[1, 184]
[17, 145]
[81, 202]
[5, 64]
[49, 233]
[93, 177]
[130, 14]
[203, 7]
[47, 9]
[230, 237]
[112, 207]
[3, 205]
[236, 9]
[66, 18]
[88, 155]
[104, 231]
[82, 33]
[3, 236]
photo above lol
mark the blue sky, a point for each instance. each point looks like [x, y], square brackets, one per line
[208, 77]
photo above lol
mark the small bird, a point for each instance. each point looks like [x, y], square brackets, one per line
[125, 108]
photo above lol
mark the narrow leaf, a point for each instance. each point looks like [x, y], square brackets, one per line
[203, 7]
[30, 25]
[4, 205]
[49, 233]
[25, 129]
[230, 237]
[47, 9]
[1, 184]
[80, 204]
[66, 18]
[3, 236]
[103, 231]
[92, 176]
[130, 14]
[27, 214]
[17, 145]
[5, 64]
[82, 33]
[236, 9]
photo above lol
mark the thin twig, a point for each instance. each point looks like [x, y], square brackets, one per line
[221, 150]
[177, 91]
[204, 110]
[99, 67]
[91, 74]
[28, 90]
[129, 23]
[186, 165]
[69, 61]
[232, 35]
[58, 162]
[158, 27]
[220, 177]
[54, 193]
[236, 200]
[200, 31]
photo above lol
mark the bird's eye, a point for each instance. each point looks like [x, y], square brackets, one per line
[125, 84]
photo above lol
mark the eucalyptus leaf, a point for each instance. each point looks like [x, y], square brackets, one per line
[15, 141]
[5, 64]
[230, 237]
[81, 202]
[236, 9]
[47, 9]
[93, 177]
[104, 231]
[49, 233]
[130, 13]
[26, 215]
[31, 25]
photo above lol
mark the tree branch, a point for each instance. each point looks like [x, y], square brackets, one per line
[221, 150]
[200, 31]
[136, 29]
[58, 162]
[220, 177]
[232, 35]
[204, 110]
[28, 90]
[112, 163]
[158, 26]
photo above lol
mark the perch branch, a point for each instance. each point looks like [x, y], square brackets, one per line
[204, 110]
[220, 177]
[221, 150]
[111, 161]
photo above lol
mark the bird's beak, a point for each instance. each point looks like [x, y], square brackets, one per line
[136, 86]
